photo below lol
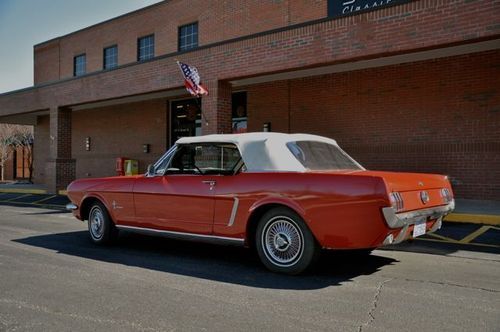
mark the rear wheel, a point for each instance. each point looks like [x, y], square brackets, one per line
[284, 242]
[101, 228]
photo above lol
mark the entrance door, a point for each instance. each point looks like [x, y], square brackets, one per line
[185, 117]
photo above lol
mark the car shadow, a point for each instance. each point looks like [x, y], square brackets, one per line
[228, 264]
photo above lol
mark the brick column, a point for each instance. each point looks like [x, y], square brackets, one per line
[217, 108]
[60, 168]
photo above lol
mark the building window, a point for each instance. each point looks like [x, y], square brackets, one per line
[146, 48]
[110, 57]
[188, 36]
[79, 65]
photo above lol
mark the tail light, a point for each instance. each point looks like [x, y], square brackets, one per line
[446, 195]
[397, 201]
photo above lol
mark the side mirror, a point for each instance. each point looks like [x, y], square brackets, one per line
[151, 170]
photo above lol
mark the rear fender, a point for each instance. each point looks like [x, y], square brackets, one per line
[281, 200]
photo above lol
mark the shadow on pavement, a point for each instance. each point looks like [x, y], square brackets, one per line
[221, 263]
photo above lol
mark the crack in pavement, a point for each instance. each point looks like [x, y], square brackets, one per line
[371, 316]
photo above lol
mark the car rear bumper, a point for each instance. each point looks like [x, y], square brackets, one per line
[398, 220]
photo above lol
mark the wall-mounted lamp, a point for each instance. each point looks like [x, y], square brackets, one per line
[266, 127]
[87, 143]
[145, 148]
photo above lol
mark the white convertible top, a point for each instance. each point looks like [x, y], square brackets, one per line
[262, 151]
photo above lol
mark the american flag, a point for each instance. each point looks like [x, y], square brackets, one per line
[192, 80]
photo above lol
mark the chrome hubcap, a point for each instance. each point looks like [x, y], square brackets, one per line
[96, 220]
[282, 241]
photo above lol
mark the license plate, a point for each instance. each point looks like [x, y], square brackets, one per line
[419, 228]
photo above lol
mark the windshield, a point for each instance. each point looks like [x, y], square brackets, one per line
[321, 156]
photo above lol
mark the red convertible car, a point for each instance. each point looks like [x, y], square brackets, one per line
[286, 195]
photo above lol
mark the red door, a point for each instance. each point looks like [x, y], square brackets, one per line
[175, 202]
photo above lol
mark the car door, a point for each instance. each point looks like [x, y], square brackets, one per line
[180, 197]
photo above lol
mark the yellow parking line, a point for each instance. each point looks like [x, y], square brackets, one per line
[44, 199]
[22, 191]
[465, 244]
[14, 198]
[475, 234]
[443, 238]
[473, 218]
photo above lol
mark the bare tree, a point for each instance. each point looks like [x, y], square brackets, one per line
[6, 148]
[23, 137]
[14, 136]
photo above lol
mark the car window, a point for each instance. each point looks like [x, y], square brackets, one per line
[318, 156]
[205, 158]
[161, 165]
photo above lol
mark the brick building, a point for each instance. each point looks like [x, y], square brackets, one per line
[401, 85]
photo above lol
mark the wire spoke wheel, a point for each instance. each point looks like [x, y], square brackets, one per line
[282, 241]
[96, 223]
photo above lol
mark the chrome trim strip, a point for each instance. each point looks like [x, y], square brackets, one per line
[233, 211]
[71, 206]
[398, 220]
[184, 236]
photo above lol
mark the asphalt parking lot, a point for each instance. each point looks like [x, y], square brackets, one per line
[53, 279]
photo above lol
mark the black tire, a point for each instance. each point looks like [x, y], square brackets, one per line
[284, 242]
[102, 230]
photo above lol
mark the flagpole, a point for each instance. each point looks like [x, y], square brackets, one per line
[194, 88]
[198, 104]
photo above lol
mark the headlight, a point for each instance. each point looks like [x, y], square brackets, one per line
[396, 201]
[446, 195]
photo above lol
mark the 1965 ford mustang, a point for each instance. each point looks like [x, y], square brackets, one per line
[286, 195]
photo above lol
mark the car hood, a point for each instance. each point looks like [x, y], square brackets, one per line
[115, 183]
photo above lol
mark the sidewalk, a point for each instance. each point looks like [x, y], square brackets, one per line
[466, 210]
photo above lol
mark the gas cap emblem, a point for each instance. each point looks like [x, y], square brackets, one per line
[424, 196]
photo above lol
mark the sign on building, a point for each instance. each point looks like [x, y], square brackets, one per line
[338, 8]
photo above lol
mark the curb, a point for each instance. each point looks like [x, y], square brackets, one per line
[466, 218]
[29, 191]
[23, 191]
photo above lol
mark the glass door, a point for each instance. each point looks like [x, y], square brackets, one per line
[185, 118]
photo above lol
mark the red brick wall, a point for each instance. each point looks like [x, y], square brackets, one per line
[46, 62]
[41, 149]
[118, 131]
[217, 20]
[439, 116]
[398, 29]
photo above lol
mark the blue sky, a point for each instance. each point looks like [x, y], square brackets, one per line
[24, 23]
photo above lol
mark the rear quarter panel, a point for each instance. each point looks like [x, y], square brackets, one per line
[342, 211]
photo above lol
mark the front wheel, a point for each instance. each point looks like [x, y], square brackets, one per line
[102, 230]
[284, 242]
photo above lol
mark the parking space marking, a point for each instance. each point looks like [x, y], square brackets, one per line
[44, 199]
[475, 234]
[458, 242]
[440, 237]
[16, 198]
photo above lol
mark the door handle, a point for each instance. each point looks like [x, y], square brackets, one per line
[210, 182]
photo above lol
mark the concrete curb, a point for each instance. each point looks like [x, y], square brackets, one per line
[487, 219]
[29, 191]
[22, 191]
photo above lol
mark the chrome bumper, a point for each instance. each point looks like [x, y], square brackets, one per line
[398, 220]
[71, 207]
